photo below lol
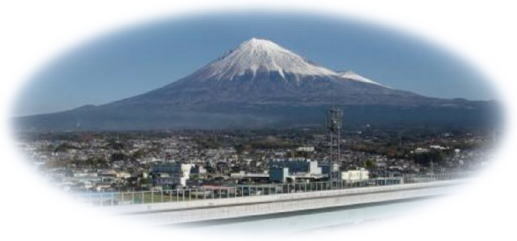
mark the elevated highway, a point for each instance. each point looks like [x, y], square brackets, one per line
[166, 213]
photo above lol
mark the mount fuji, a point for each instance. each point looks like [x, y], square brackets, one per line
[260, 84]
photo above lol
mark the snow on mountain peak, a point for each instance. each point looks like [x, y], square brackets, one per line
[354, 76]
[261, 55]
[257, 44]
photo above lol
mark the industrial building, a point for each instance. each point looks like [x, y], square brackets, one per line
[295, 169]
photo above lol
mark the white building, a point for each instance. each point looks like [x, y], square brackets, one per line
[280, 170]
[305, 149]
[355, 175]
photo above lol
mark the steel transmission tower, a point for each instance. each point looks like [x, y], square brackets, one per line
[334, 124]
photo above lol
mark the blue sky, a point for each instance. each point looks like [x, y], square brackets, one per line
[140, 58]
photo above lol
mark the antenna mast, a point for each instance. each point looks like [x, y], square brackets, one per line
[334, 124]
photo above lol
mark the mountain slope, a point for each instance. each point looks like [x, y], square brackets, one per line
[261, 84]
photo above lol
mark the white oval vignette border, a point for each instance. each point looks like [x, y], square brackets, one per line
[36, 31]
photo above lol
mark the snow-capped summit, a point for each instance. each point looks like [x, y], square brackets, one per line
[261, 55]
[256, 56]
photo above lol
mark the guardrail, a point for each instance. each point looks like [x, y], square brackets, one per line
[239, 191]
